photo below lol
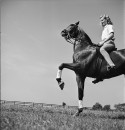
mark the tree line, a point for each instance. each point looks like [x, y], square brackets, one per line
[98, 106]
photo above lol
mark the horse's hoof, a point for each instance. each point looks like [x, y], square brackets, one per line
[58, 80]
[61, 85]
[78, 112]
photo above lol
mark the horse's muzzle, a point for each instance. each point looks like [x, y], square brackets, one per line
[64, 33]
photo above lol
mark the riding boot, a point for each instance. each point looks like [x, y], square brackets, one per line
[111, 68]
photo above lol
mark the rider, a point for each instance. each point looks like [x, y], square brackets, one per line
[107, 42]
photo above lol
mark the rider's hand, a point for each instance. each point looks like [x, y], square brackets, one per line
[101, 43]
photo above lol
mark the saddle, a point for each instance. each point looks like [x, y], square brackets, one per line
[98, 50]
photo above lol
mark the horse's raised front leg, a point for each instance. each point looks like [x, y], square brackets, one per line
[71, 66]
[80, 82]
[58, 78]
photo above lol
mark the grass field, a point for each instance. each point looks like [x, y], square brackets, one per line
[38, 117]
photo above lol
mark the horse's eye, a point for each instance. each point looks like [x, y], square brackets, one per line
[71, 30]
[65, 31]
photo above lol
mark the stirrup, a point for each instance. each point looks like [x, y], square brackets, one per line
[97, 80]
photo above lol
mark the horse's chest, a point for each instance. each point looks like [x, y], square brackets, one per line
[81, 56]
[76, 56]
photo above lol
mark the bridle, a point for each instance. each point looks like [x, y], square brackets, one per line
[70, 41]
[66, 34]
[68, 37]
[77, 34]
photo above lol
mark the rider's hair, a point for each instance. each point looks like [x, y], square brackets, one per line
[107, 19]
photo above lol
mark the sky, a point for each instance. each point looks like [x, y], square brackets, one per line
[32, 49]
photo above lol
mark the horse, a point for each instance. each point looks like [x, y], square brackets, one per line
[88, 61]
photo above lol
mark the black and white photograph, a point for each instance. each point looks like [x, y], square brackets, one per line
[62, 64]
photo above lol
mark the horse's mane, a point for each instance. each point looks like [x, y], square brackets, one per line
[86, 36]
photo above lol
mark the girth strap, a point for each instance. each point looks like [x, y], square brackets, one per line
[98, 64]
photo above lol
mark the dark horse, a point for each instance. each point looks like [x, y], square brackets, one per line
[87, 60]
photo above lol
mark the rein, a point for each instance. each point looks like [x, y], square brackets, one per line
[69, 40]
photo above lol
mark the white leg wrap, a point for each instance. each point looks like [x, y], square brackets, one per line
[80, 104]
[59, 74]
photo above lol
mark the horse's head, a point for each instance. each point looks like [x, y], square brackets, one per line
[71, 32]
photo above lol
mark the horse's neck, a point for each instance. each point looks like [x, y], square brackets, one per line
[84, 36]
[84, 41]
[81, 46]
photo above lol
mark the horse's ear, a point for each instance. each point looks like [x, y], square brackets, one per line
[77, 23]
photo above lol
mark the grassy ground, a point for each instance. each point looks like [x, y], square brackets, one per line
[18, 117]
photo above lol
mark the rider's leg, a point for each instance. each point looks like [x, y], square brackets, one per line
[103, 50]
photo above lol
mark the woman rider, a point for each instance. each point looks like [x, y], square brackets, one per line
[107, 41]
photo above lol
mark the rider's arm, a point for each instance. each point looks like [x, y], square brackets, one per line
[111, 36]
[110, 31]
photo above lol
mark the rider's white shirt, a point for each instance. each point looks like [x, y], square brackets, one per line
[107, 30]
